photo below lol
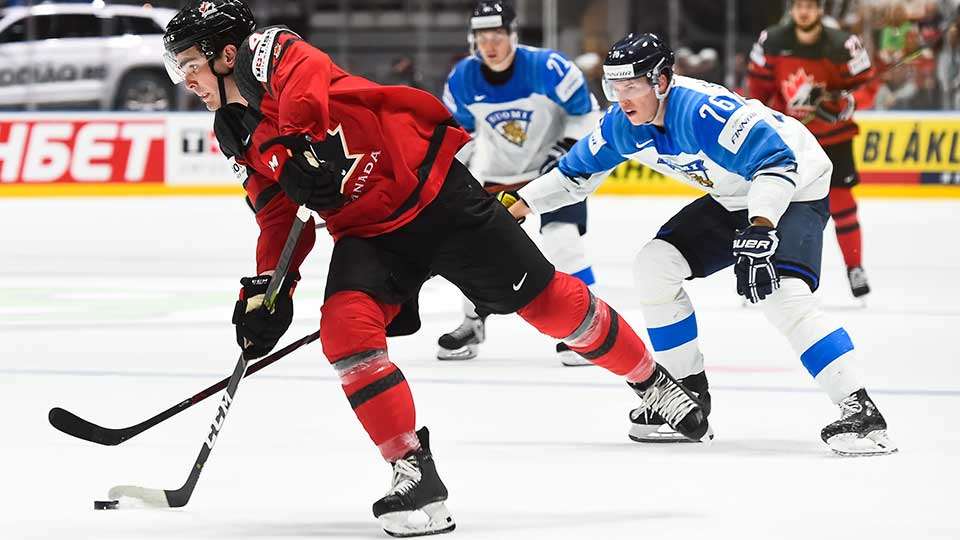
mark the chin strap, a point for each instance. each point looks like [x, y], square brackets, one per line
[221, 85]
[661, 98]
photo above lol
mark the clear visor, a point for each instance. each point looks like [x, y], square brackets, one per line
[178, 70]
[627, 89]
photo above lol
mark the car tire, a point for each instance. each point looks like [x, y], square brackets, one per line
[145, 91]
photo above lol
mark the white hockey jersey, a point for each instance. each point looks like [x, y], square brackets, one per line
[514, 124]
[745, 155]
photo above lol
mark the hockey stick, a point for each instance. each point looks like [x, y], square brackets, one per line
[835, 95]
[497, 188]
[916, 53]
[75, 426]
[165, 498]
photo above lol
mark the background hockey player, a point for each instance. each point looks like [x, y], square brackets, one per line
[378, 164]
[798, 68]
[525, 107]
[767, 180]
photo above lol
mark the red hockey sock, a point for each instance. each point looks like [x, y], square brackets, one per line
[843, 209]
[567, 310]
[353, 334]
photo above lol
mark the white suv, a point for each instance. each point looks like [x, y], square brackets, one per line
[83, 55]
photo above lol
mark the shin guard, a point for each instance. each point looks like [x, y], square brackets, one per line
[843, 209]
[567, 310]
[353, 333]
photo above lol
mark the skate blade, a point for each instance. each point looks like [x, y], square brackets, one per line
[875, 443]
[433, 518]
[646, 433]
[467, 352]
[572, 359]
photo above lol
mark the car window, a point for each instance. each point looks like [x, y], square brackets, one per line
[131, 24]
[66, 25]
[14, 33]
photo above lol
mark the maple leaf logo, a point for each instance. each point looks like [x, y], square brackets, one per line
[334, 150]
[797, 91]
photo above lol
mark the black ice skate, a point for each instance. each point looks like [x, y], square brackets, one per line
[414, 506]
[569, 358]
[861, 429]
[462, 343]
[858, 281]
[676, 405]
[647, 425]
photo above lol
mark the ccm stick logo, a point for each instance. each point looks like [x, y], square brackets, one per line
[218, 421]
[48, 151]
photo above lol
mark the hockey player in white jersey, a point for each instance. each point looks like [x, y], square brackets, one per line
[525, 107]
[767, 181]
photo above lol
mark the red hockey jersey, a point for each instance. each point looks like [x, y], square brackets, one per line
[783, 74]
[395, 144]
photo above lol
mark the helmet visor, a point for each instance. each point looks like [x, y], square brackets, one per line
[179, 69]
[627, 89]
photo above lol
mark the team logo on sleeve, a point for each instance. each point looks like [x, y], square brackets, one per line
[695, 171]
[511, 124]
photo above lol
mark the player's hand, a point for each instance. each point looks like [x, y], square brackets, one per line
[258, 329]
[839, 110]
[753, 249]
[304, 177]
[514, 204]
[557, 151]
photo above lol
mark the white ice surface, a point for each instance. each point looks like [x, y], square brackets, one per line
[119, 308]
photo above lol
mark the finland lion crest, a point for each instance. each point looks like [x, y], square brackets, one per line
[511, 124]
[695, 171]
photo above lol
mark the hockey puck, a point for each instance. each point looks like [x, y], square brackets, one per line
[105, 505]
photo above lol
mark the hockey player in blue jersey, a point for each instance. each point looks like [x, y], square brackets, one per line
[525, 107]
[767, 181]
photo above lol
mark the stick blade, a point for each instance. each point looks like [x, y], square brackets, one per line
[73, 425]
[154, 498]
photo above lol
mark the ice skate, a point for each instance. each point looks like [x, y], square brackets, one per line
[647, 425]
[569, 358]
[858, 281]
[414, 505]
[861, 430]
[463, 343]
[676, 405]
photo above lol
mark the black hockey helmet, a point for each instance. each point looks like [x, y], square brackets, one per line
[490, 15]
[635, 56]
[210, 25]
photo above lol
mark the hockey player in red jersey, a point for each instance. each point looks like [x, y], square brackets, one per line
[378, 163]
[798, 68]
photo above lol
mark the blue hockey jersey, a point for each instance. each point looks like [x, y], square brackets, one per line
[712, 139]
[514, 124]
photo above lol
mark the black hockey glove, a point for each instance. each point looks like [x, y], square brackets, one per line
[557, 151]
[259, 330]
[832, 107]
[753, 249]
[508, 199]
[304, 177]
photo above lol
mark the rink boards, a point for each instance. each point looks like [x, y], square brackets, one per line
[907, 154]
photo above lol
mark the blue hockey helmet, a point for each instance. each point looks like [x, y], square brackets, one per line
[636, 56]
